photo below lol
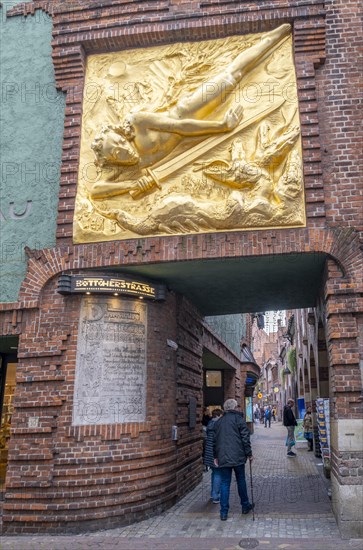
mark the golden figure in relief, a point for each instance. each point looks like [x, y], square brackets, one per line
[184, 147]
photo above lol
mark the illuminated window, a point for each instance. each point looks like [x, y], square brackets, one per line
[213, 378]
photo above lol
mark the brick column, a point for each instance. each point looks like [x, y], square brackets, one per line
[343, 327]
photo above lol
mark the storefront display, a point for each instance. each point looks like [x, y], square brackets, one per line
[323, 419]
[9, 372]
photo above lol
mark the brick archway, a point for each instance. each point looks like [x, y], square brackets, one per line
[339, 245]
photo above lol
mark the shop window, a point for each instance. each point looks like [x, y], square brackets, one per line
[8, 372]
[213, 379]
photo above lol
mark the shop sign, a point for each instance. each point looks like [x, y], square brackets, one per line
[299, 431]
[248, 408]
[259, 395]
[106, 284]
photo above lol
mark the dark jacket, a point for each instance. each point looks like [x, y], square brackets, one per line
[206, 419]
[208, 449]
[231, 440]
[289, 417]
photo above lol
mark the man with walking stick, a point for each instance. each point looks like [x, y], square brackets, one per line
[232, 448]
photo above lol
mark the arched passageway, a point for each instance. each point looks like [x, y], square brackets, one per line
[193, 289]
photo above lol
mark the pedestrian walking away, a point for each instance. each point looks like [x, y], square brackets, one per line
[268, 417]
[209, 457]
[290, 423]
[231, 449]
[256, 415]
[207, 417]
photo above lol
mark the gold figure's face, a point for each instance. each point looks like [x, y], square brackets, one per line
[117, 150]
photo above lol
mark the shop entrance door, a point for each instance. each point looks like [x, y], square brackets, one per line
[8, 362]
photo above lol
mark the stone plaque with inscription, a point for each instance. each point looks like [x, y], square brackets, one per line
[110, 383]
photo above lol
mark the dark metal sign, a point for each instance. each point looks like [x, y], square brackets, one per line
[105, 284]
[192, 407]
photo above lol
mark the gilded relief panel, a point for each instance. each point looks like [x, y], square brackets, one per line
[190, 138]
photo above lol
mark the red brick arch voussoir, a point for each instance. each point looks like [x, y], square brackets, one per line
[339, 244]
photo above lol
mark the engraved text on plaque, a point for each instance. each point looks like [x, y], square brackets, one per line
[110, 384]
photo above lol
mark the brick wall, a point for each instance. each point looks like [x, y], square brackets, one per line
[340, 106]
[342, 309]
[66, 478]
[111, 474]
[190, 384]
[339, 323]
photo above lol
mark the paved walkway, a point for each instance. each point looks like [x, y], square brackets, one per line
[293, 512]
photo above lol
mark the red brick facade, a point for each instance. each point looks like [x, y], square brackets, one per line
[96, 475]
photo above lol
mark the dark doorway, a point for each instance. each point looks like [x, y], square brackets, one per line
[8, 363]
[213, 388]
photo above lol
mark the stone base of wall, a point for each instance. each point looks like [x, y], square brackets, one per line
[118, 519]
[346, 476]
[349, 517]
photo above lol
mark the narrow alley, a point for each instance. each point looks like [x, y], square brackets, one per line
[292, 512]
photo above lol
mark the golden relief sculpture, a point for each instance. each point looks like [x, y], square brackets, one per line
[190, 138]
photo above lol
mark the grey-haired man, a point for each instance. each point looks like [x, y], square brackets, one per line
[231, 449]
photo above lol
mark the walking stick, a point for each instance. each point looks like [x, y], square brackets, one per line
[253, 504]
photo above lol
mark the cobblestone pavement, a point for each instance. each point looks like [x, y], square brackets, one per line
[293, 512]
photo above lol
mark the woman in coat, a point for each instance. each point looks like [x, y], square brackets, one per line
[308, 428]
[209, 457]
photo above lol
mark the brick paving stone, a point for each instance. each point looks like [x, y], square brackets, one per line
[293, 512]
[177, 543]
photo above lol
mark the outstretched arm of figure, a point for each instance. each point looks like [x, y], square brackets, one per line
[106, 189]
[186, 126]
